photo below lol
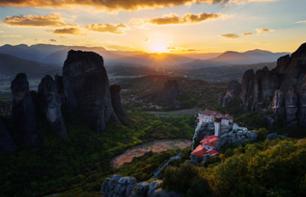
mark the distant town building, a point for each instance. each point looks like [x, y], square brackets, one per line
[215, 129]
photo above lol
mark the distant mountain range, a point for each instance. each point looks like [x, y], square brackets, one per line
[11, 65]
[249, 57]
[41, 58]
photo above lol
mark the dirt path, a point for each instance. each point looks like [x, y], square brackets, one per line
[155, 147]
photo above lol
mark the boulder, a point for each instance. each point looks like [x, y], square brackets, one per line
[118, 186]
[24, 112]
[86, 87]
[6, 141]
[116, 103]
[51, 105]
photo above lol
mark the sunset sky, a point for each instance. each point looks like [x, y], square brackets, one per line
[178, 26]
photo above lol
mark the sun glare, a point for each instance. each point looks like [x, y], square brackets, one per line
[158, 47]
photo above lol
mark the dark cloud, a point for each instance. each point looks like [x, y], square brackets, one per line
[68, 30]
[231, 35]
[52, 40]
[34, 20]
[109, 4]
[187, 18]
[116, 29]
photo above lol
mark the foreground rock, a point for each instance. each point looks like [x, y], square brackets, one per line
[51, 105]
[6, 141]
[86, 87]
[281, 91]
[24, 112]
[118, 186]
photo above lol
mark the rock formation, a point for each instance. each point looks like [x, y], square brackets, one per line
[281, 91]
[86, 88]
[83, 90]
[24, 112]
[232, 93]
[247, 89]
[167, 96]
[51, 105]
[118, 186]
[6, 141]
[116, 103]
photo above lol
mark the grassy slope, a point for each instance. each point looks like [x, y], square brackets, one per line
[80, 165]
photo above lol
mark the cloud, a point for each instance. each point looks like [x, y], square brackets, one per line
[231, 35]
[68, 30]
[248, 33]
[34, 20]
[187, 18]
[300, 22]
[264, 30]
[108, 4]
[52, 40]
[116, 29]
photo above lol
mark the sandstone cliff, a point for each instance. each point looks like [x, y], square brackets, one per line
[86, 88]
[281, 91]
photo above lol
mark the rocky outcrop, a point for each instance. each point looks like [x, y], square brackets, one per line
[51, 105]
[247, 89]
[167, 95]
[6, 141]
[281, 91]
[118, 186]
[24, 112]
[116, 103]
[265, 85]
[83, 90]
[236, 137]
[202, 130]
[232, 93]
[301, 91]
[86, 88]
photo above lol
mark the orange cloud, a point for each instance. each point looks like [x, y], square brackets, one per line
[264, 30]
[231, 35]
[248, 33]
[187, 18]
[68, 30]
[109, 4]
[116, 29]
[34, 20]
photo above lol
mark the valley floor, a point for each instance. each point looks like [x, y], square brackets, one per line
[158, 146]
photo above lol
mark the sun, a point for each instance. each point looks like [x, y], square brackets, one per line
[158, 47]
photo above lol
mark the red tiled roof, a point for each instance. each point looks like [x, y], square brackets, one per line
[209, 140]
[206, 147]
